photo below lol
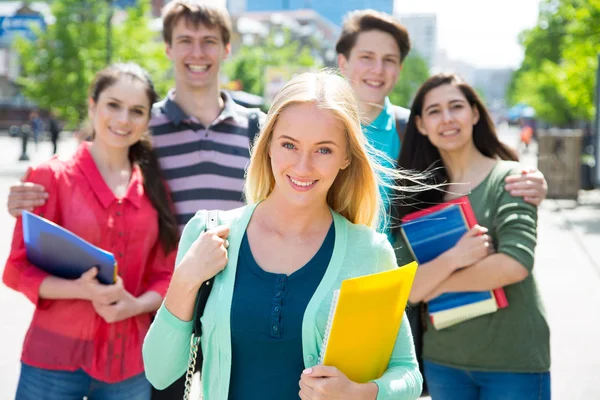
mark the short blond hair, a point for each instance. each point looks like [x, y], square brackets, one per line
[354, 193]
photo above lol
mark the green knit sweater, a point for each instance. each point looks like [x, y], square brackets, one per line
[513, 339]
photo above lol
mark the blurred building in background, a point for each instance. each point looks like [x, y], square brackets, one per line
[423, 34]
[16, 20]
[304, 26]
[334, 11]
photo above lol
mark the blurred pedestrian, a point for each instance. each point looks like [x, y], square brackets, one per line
[54, 128]
[313, 201]
[505, 354]
[37, 127]
[85, 338]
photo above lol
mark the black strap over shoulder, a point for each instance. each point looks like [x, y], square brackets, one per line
[212, 221]
[402, 114]
[253, 124]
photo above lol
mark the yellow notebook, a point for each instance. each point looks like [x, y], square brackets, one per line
[364, 322]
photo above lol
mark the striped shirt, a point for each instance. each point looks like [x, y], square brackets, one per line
[203, 166]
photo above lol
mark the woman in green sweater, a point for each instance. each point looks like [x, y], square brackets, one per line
[313, 202]
[506, 354]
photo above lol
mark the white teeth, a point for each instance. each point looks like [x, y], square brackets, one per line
[198, 68]
[118, 132]
[303, 184]
[448, 133]
[374, 83]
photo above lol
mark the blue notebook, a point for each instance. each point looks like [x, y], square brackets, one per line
[433, 234]
[429, 233]
[61, 253]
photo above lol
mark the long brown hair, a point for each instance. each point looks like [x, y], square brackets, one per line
[141, 152]
[418, 154]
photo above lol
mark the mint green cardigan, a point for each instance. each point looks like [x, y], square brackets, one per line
[358, 250]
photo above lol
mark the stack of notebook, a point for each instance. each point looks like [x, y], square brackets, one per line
[431, 232]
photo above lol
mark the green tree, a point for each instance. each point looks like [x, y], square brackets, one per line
[414, 73]
[59, 66]
[557, 76]
[250, 63]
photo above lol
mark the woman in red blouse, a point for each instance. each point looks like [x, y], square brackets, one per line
[85, 338]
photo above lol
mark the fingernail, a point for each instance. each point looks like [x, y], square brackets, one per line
[307, 371]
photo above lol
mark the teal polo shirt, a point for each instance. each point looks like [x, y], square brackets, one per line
[381, 135]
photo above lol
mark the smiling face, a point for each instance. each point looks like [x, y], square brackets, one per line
[196, 53]
[307, 151]
[373, 66]
[447, 119]
[121, 113]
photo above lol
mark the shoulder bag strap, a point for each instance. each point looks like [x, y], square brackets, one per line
[212, 221]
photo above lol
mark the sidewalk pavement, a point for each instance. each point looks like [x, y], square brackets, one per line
[567, 270]
[10, 151]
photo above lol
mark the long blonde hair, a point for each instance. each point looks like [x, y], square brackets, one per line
[355, 192]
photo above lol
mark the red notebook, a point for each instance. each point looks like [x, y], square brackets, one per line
[467, 210]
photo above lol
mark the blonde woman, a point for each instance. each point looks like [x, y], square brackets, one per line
[313, 202]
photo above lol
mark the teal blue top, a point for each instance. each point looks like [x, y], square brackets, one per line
[383, 137]
[266, 324]
[357, 251]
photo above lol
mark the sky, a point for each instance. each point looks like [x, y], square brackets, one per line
[483, 33]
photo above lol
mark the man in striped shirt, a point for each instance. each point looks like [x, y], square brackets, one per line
[200, 135]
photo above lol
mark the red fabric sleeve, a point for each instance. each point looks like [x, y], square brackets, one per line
[160, 269]
[19, 274]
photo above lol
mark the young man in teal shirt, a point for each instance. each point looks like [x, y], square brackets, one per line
[371, 50]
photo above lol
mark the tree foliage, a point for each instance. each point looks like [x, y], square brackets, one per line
[414, 73]
[557, 76]
[59, 66]
[249, 64]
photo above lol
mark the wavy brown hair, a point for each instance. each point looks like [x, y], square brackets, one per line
[141, 152]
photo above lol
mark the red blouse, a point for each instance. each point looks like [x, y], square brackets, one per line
[68, 334]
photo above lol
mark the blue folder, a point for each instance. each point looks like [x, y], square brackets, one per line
[61, 253]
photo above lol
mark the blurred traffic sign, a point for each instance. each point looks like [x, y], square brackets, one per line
[24, 25]
[124, 3]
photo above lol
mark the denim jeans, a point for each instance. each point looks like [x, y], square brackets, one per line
[446, 383]
[37, 383]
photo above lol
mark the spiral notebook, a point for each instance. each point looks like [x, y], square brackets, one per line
[364, 320]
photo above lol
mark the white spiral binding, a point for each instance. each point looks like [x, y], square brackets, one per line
[334, 301]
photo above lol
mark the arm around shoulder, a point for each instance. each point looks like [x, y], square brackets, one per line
[26, 194]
